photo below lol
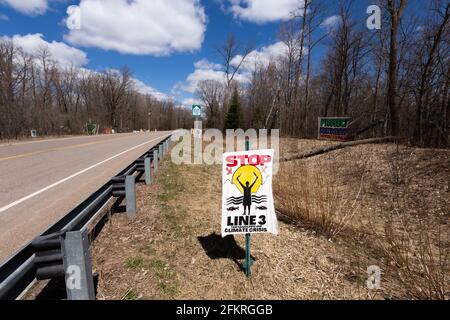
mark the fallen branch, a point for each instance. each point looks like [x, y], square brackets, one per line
[371, 126]
[284, 217]
[319, 151]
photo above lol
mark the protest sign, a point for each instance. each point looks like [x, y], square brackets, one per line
[247, 199]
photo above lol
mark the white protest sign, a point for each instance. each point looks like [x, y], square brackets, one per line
[247, 199]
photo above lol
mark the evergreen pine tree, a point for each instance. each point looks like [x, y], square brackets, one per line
[233, 118]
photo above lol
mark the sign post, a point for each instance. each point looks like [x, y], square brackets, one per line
[248, 257]
[247, 199]
[197, 113]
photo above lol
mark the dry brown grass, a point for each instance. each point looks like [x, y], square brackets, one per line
[314, 193]
[182, 207]
[375, 210]
[416, 242]
[420, 256]
[392, 201]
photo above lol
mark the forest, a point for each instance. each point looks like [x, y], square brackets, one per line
[36, 93]
[392, 81]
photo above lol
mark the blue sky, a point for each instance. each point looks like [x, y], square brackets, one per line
[159, 40]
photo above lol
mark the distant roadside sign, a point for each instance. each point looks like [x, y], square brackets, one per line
[335, 128]
[91, 128]
[196, 110]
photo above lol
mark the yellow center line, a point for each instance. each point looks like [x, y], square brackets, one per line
[61, 148]
[48, 150]
[58, 149]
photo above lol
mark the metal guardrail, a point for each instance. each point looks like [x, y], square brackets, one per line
[19, 272]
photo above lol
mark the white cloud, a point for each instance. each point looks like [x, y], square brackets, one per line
[206, 70]
[60, 52]
[192, 80]
[262, 11]
[4, 17]
[189, 102]
[156, 27]
[261, 57]
[205, 64]
[331, 22]
[30, 7]
[142, 88]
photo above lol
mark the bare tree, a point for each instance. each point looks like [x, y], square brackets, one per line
[344, 62]
[37, 92]
[211, 93]
[314, 15]
[396, 11]
[289, 72]
[7, 86]
[114, 88]
[427, 55]
[233, 56]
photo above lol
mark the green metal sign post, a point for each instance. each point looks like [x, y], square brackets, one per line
[247, 265]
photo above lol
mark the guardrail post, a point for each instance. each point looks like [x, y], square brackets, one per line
[148, 171]
[155, 160]
[168, 144]
[78, 266]
[130, 195]
[160, 152]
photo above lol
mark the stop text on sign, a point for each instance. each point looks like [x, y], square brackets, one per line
[242, 160]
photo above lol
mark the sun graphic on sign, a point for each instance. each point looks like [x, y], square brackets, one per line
[250, 174]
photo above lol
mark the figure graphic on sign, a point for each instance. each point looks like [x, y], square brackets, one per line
[247, 200]
[248, 180]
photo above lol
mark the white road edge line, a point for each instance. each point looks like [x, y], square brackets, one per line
[15, 203]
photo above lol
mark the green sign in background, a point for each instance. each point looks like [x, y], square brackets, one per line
[334, 123]
[91, 129]
[196, 110]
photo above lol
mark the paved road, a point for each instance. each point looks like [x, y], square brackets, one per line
[41, 181]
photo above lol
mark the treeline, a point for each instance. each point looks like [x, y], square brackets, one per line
[38, 93]
[391, 81]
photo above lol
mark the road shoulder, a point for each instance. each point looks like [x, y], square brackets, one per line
[173, 250]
